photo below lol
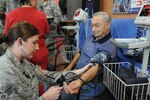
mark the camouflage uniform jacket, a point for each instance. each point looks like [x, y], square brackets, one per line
[2, 5]
[8, 5]
[51, 9]
[19, 81]
[5, 7]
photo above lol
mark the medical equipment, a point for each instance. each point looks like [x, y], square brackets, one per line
[68, 52]
[142, 20]
[143, 17]
[133, 88]
[80, 15]
[102, 57]
[123, 89]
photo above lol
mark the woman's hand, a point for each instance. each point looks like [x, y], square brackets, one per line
[52, 93]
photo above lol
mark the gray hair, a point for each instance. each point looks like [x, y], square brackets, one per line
[105, 15]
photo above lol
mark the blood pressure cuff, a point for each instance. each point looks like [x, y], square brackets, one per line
[102, 57]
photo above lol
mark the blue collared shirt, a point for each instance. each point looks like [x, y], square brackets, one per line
[90, 48]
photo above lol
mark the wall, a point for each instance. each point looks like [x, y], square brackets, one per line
[107, 5]
[72, 6]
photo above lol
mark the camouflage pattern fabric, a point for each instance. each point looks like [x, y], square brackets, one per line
[8, 5]
[5, 7]
[53, 14]
[19, 81]
[51, 9]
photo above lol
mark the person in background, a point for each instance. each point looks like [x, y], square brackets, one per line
[8, 5]
[28, 12]
[5, 7]
[63, 7]
[19, 77]
[11, 4]
[92, 88]
[52, 11]
[2, 14]
[53, 15]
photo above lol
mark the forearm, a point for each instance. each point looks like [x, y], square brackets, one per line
[73, 62]
[74, 86]
[45, 76]
[89, 74]
[53, 76]
[82, 70]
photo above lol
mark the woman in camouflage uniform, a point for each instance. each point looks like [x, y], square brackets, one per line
[18, 77]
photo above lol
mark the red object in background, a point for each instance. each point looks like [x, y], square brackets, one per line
[77, 13]
[57, 1]
[41, 89]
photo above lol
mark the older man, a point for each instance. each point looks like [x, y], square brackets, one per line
[91, 87]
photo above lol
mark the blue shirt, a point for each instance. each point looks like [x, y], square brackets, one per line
[90, 48]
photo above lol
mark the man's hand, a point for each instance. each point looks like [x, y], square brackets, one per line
[73, 87]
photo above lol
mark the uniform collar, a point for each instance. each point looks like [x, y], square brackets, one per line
[11, 56]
